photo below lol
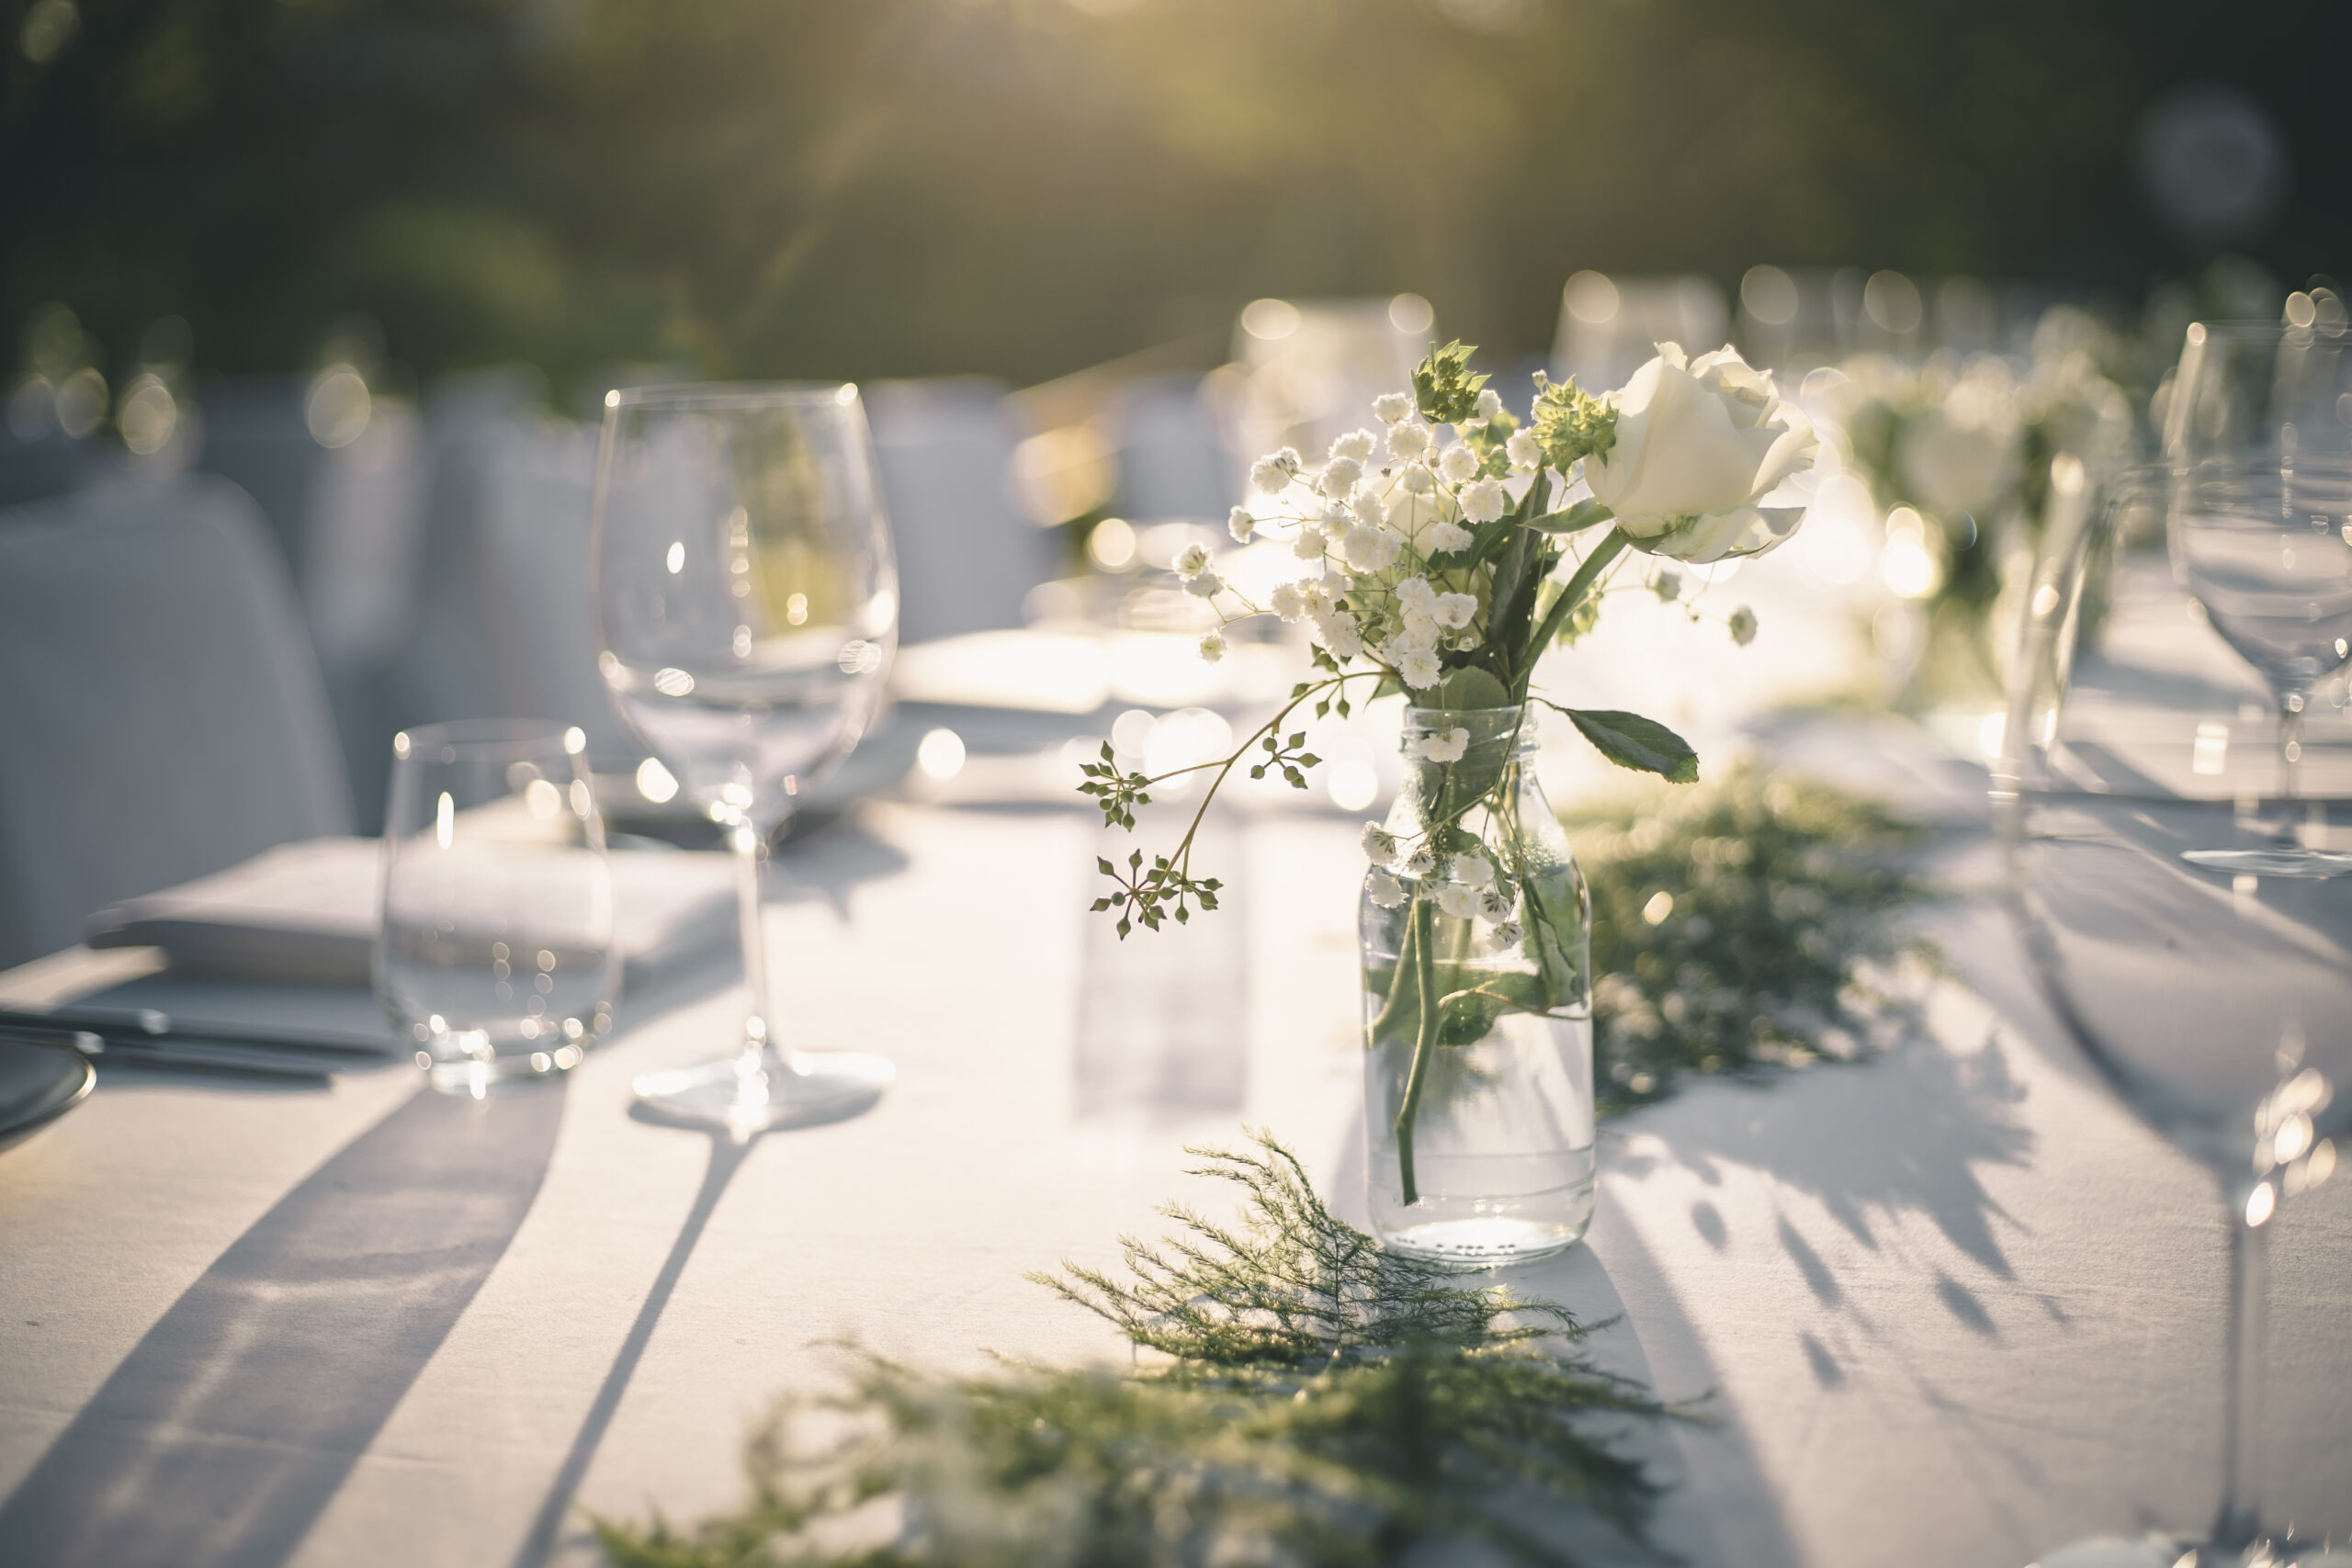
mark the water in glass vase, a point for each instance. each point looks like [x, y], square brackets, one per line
[1478, 1102]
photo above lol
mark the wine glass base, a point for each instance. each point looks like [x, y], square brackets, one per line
[2286, 860]
[740, 1097]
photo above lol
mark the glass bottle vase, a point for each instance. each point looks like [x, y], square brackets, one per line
[1476, 945]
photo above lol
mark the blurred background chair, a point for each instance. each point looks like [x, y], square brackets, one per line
[1309, 370]
[339, 474]
[1610, 326]
[164, 711]
[968, 555]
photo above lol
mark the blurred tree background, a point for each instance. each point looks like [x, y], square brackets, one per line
[873, 188]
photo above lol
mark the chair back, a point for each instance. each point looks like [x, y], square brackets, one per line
[162, 715]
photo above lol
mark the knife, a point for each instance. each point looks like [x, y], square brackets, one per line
[129, 1027]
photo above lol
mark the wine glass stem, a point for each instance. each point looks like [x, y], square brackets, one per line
[2290, 741]
[751, 847]
[2238, 1520]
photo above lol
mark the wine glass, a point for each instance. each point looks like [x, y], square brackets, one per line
[2258, 437]
[2216, 1000]
[747, 609]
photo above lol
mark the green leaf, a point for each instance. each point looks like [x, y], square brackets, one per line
[1573, 519]
[1468, 688]
[1642, 744]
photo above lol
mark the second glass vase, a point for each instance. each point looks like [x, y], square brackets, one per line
[1477, 951]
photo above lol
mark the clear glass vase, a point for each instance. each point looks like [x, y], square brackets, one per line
[1476, 948]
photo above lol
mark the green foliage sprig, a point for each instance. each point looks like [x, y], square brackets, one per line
[1322, 1403]
[1742, 926]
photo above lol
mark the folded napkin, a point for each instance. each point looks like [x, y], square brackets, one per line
[306, 913]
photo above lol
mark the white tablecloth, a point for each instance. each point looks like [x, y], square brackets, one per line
[1953, 1306]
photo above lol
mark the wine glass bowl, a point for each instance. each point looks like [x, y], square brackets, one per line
[746, 611]
[2258, 441]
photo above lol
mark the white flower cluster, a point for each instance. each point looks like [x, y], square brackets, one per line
[1385, 524]
[1471, 888]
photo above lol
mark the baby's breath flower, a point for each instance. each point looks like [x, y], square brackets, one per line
[1505, 936]
[1455, 901]
[1392, 406]
[1458, 463]
[1339, 635]
[1355, 446]
[1191, 560]
[1490, 405]
[1416, 597]
[1273, 472]
[1372, 548]
[1472, 869]
[1445, 538]
[1453, 611]
[1420, 670]
[1310, 543]
[1241, 525]
[1668, 587]
[1495, 906]
[1409, 439]
[1382, 888]
[1339, 476]
[1743, 625]
[1213, 647]
[1418, 481]
[1441, 746]
[1523, 449]
[1483, 501]
[1379, 844]
[1288, 602]
[1209, 585]
[1319, 595]
[1421, 862]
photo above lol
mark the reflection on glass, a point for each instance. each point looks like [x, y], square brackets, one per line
[747, 609]
[2217, 1000]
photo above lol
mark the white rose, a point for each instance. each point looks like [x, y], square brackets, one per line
[1699, 442]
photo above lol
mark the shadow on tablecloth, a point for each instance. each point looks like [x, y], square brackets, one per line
[232, 1424]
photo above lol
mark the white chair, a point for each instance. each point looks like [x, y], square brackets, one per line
[1172, 463]
[162, 709]
[967, 556]
[349, 516]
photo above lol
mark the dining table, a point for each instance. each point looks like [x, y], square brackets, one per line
[1947, 1305]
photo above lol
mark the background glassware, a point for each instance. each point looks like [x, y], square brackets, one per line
[747, 610]
[2258, 437]
[496, 949]
[2217, 1002]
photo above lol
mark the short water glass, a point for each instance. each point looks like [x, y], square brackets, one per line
[495, 954]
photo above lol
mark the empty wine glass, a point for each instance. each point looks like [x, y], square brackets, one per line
[747, 609]
[2216, 1000]
[2259, 437]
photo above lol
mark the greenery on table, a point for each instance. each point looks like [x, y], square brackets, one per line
[1301, 1397]
[1306, 1398]
[1773, 897]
